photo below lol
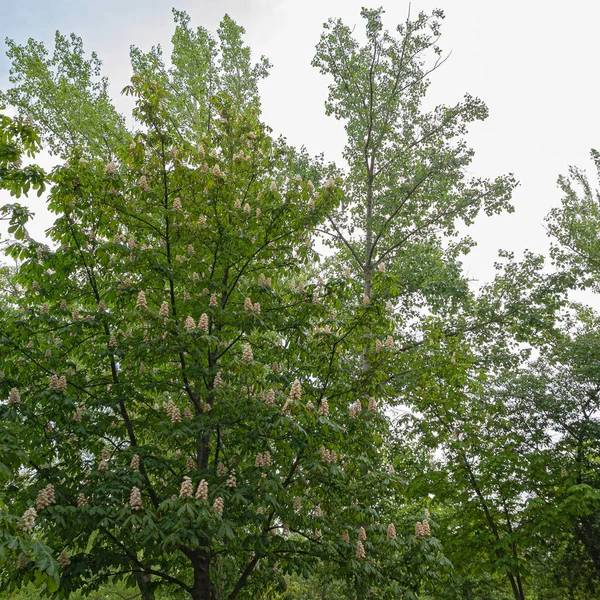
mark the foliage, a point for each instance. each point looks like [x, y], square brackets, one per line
[198, 403]
[17, 140]
[183, 387]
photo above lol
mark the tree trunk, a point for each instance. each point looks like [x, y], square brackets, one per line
[144, 581]
[201, 588]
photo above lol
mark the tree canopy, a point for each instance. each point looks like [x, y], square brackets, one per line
[234, 370]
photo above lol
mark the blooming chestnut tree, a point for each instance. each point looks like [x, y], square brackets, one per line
[185, 399]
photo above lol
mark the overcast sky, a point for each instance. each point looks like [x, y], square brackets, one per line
[534, 63]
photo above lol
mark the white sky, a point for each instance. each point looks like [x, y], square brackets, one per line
[534, 63]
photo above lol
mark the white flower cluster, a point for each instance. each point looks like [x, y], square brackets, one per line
[422, 528]
[186, 490]
[202, 491]
[328, 456]
[266, 281]
[249, 307]
[218, 505]
[58, 383]
[231, 481]
[247, 355]
[324, 407]
[360, 550]
[263, 460]
[28, 519]
[141, 300]
[164, 310]
[218, 380]
[14, 397]
[135, 499]
[45, 497]
[173, 412]
[296, 390]
[355, 409]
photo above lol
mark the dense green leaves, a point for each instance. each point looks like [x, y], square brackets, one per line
[197, 403]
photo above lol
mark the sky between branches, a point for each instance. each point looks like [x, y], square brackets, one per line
[533, 63]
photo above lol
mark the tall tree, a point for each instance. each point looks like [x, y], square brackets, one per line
[406, 188]
[190, 406]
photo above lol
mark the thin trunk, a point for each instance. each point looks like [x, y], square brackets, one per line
[144, 581]
[367, 266]
[516, 587]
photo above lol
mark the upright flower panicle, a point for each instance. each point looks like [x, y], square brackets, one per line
[360, 550]
[135, 499]
[391, 532]
[231, 481]
[202, 491]
[247, 355]
[425, 527]
[203, 322]
[173, 412]
[28, 519]
[141, 300]
[45, 497]
[355, 409]
[218, 380]
[14, 397]
[186, 490]
[324, 407]
[164, 310]
[143, 182]
[218, 505]
[296, 390]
